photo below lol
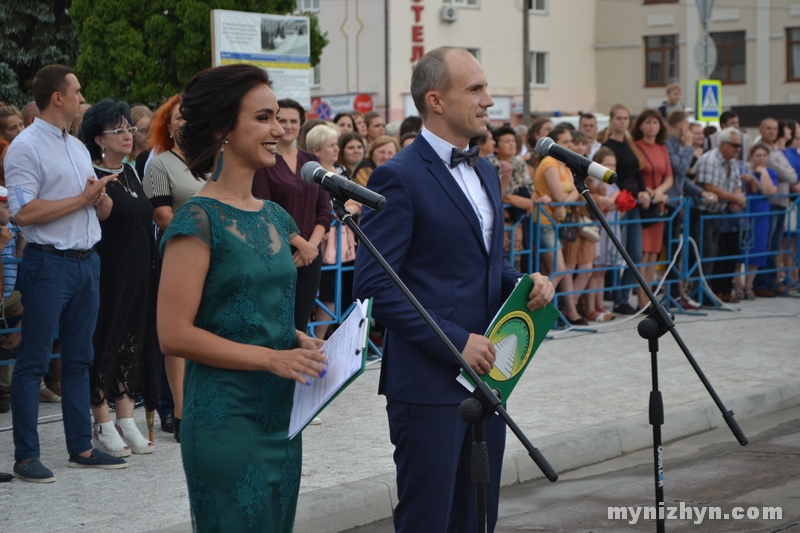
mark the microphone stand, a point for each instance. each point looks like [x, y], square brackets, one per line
[652, 328]
[476, 409]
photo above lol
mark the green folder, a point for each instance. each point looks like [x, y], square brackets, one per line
[516, 334]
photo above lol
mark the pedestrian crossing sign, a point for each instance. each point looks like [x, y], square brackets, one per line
[709, 100]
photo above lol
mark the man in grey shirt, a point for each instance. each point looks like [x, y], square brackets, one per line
[58, 203]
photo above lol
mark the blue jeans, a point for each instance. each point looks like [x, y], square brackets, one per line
[64, 293]
[777, 219]
[633, 245]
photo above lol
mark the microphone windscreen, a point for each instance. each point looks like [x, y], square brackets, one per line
[543, 146]
[308, 170]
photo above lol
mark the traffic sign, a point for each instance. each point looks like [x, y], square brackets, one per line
[705, 55]
[709, 100]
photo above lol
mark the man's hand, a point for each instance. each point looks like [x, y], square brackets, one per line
[542, 292]
[739, 199]
[709, 197]
[5, 236]
[479, 353]
[95, 191]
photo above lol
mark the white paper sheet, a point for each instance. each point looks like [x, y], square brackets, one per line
[344, 351]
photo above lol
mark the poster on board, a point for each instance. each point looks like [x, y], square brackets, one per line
[279, 43]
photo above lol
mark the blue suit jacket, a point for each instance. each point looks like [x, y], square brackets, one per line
[431, 236]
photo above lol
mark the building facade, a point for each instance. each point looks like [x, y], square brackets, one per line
[585, 55]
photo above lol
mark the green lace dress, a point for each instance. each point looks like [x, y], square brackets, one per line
[242, 472]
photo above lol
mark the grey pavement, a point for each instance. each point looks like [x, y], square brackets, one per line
[703, 472]
[583, 400]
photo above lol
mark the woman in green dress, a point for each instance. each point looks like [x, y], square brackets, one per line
[226, 304]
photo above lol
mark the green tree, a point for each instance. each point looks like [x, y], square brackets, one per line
[34, 33]
[144, 52]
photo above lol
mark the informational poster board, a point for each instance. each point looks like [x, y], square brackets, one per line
[279, 43]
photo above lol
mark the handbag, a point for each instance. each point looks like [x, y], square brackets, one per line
[589, 230]
[328, 245]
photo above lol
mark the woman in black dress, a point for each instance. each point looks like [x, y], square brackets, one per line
[125, 343]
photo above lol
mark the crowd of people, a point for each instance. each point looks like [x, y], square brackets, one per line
[97, 194]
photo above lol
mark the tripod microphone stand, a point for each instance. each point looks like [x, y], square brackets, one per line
[483, 403]
[657, 324]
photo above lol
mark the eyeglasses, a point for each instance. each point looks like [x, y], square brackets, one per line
[735, 145]
[120, 131]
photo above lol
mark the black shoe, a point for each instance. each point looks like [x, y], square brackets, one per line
[177, 424]
[624, 309]
[168, 423]
[97, 459]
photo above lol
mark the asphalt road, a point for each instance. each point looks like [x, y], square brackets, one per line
[702, 472]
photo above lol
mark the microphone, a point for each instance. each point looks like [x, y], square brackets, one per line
[578, 163]
[341, 187]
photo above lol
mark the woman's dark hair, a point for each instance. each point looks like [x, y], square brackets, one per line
[791, 124]
[559, 130]
[410, 124]
[636, 129]
[307, 126]
[107, 114]
[481, 139]
[340, 116]
[758, 146]
[210, 106]
[406, 136]
[344, 139]
[535, 128]
[288, 103]
[503, 130]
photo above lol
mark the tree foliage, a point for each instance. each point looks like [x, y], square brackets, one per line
[34, 33]
[144, 52]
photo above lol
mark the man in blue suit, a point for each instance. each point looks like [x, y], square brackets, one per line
[442, 232]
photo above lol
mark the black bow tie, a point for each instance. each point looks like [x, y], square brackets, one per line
[469, 157]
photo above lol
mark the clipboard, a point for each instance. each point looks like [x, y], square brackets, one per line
[346, 351]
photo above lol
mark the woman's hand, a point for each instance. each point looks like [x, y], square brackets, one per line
[659, 197]
[308, 343]
[543, 199]
[305, 252]
[300, 364]
[644, 199]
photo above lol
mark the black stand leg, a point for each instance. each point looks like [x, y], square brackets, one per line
[471, 411]
[488, 400]
[655, 326]
[649, 329]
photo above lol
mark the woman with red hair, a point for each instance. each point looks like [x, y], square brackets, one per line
[169, 184]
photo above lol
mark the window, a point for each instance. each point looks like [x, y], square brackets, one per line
[304, 6]
[539, 65]
[465, 3]
[476, 53]
[537, 6]
[793, 54]
[314, 73]
[661, 60]
[730, 57]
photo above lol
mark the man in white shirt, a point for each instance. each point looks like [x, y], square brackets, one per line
[587, 124]
[442, 232]
[57, 202]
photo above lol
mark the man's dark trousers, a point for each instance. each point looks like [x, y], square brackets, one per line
[58, 294]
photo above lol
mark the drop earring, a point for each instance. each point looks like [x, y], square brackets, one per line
[218, 168]
[102, 153]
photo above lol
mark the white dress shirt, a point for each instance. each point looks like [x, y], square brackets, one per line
[47, 163]
[469, 183]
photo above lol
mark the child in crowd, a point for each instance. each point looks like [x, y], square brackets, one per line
[605, 196]
[12, 245]
[11, 303]
[673, 101]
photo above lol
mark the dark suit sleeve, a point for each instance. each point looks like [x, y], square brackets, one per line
[391, 231]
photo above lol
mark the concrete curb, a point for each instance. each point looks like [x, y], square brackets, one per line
[349, 505]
